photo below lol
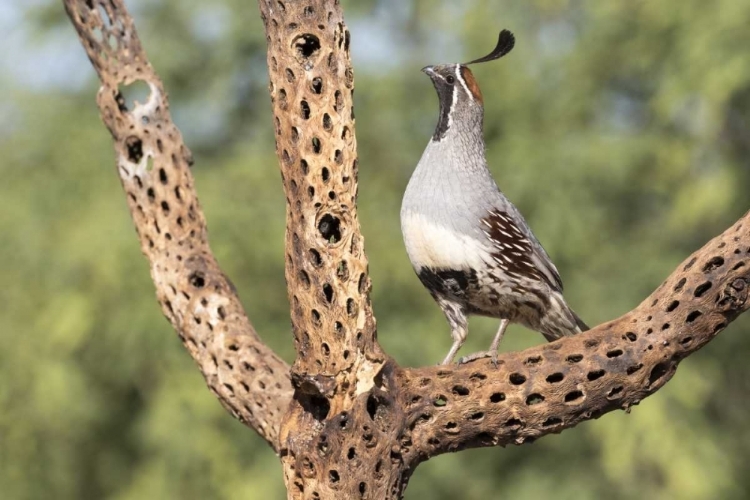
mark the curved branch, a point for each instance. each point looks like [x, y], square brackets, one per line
[153, 163]
[555, 386]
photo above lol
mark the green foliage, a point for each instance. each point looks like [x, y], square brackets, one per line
[621, 129]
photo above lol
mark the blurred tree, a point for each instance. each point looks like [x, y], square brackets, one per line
[641, 112]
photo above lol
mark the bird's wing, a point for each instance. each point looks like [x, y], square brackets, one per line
[517, 251]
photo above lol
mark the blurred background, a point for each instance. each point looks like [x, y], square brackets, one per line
[620, 129]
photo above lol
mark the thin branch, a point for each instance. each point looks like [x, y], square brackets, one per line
[153, 164]
[555, 386]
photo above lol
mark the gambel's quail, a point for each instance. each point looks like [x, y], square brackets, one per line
[469, 245]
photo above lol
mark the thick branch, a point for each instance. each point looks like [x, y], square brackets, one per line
[555, 386]
[329, 444]
[153, 163]
[326, 268]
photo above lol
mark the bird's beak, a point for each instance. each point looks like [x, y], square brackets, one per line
[428, 71]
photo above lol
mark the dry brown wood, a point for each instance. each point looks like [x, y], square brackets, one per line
[347, 421]
[154, 166]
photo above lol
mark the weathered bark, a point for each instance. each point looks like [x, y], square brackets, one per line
[347, 421]
[154, 166]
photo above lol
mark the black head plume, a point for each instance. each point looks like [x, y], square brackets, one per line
[505, 44]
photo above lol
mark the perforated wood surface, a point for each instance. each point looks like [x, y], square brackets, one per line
[153, 163]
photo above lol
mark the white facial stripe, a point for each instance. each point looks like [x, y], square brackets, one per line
[463, 83]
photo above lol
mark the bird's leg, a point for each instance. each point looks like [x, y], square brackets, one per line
[492, 352]
[458, 340]
[459, 328]
[495, 345]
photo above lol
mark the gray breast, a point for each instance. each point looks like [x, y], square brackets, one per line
[452, 187]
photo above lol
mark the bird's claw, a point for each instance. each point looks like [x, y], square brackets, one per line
[480, 355]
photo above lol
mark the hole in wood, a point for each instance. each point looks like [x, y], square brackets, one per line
[632, 369]
[333, 476]
[552, 421]
[351, 308]
[573, 396]
[460, 390]
[693, 316]
[712, 264]
[342, 271]
[317, 85]
[306, 45]
[615, 392]
[533, 360]
[197, 279]
[513, 422]
[330, 228]
[129, 96]
[315, 259]
[702, 288]
[497, 397]
[534, 399]
[657, 372]
[135, 149]
[315, 404]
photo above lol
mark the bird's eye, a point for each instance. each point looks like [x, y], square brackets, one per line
[450, 79]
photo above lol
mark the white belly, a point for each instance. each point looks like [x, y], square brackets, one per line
[436, 246]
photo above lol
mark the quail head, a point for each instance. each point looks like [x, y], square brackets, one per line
[469, 245]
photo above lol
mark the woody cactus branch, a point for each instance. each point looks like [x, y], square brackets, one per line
[154, 167]
[346, 420]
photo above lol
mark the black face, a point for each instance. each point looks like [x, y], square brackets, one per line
[444, 79]
[456, 88]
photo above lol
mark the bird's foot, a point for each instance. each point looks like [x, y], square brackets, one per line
[480, 355]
